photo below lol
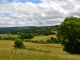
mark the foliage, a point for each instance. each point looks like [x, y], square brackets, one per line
[69, 33]
[36, 41]
[37, 31]
[30, 33]
[26, 32]
[26, 36]
[53, 40]
[13, 30]
[19, 43]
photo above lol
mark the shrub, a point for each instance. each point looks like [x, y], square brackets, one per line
[19, 43]
[26, 36]
[53, 40]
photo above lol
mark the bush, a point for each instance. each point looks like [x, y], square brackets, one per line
[53, 40]
[26, 36]
[19, 43]
[36, 41]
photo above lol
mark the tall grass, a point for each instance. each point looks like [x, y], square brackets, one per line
[34, 51]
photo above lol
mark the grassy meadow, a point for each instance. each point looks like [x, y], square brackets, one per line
[44, 38]
[34, 51]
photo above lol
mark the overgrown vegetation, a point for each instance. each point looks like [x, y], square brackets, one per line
[36, 31]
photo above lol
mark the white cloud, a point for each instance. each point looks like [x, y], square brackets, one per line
[49, 12]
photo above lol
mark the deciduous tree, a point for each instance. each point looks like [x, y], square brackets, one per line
[69, 33]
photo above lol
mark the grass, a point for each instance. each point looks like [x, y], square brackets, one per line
[38, 38]
[34, 51]
[7, 35]
[44, 38]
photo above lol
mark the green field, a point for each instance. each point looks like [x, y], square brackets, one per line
[44, 38]
[34, 51]
[7, 35]
[38, 38]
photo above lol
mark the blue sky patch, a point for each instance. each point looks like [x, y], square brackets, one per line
[10, 0]
[35, 1]
[7, 14]
[22, 1]
[2, 2]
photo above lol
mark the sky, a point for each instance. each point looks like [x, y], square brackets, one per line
[15, 13]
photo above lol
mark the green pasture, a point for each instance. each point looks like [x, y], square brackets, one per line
[34, 51]
[44, 38]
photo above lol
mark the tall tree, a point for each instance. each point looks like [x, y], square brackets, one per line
[69, 33]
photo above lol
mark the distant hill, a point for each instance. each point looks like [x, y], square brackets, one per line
[14, 29]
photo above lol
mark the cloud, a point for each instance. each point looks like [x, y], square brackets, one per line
[47, 12]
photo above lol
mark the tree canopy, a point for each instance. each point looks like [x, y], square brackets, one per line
[69, 33]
